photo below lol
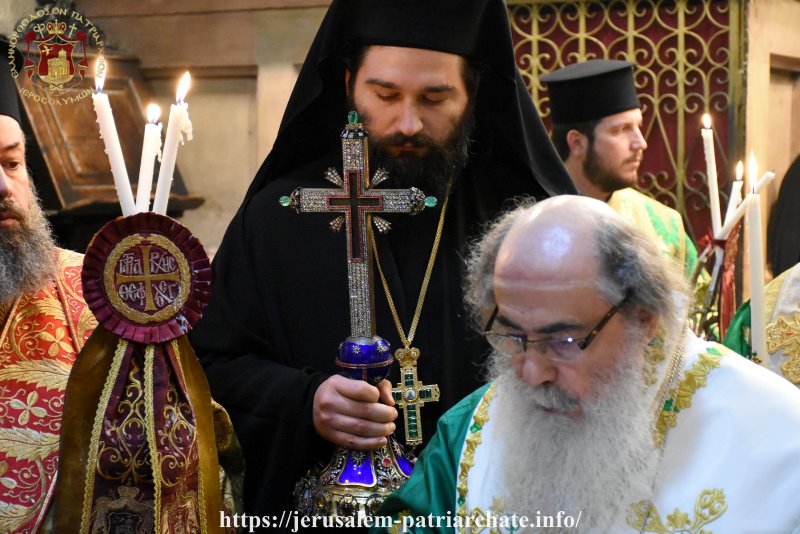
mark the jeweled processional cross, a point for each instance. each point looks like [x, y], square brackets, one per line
[358, 205]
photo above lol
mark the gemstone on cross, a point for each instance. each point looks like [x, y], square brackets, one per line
[411, 394]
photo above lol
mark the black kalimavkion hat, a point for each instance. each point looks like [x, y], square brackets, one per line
[591, 90]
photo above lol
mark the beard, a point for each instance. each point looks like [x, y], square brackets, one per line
[430, 171]
[598, 465]
[601, 176]
[27, 258]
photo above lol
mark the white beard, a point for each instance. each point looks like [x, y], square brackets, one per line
[598, 465]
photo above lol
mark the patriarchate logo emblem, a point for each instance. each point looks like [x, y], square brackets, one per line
[61, 58]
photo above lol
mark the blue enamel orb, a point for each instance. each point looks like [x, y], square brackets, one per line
[363, 358]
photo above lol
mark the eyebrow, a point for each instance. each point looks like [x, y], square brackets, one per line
[443, 88]
[552, 328]
[12, 146]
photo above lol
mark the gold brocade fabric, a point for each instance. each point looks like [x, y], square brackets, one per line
[150, 406]
[709, 506]
[41, 335]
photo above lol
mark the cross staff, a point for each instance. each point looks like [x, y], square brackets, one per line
[357, 202]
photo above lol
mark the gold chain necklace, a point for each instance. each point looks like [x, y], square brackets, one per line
[411, 394]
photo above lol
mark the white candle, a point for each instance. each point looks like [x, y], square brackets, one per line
[764, 180]
[151, 146]
[711, 170]
[758, 325]
[736, 194]
[737, 214]
[178, 122]
[108, 132]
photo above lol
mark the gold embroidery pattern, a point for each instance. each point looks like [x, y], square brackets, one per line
[185, 411]
[150, 425]
[177, 438]
[94, 447]
[37, 348]
[183, 275]
[784, 334]
[80, 320]
[772, 292]
[473, 440]
[709, 506]
[680, 397]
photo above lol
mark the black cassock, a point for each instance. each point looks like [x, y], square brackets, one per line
[279, 305]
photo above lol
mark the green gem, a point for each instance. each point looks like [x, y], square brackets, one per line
[412, 433]
[461, 501]
[430, 202]
[475, 428]
[352, 117]
[285, 201]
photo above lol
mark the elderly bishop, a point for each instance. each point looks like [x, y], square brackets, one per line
[604, 412]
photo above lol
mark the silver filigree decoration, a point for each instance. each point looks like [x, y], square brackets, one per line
[332, 175]
[381, 175]
[381, 224]
[337, 223]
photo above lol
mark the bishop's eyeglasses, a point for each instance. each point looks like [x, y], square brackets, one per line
[557, 349]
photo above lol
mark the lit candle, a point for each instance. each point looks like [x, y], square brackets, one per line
[151, 146]
[108, 132]
[178, 122]
[736, 194]
[757, 323]
[711, 170]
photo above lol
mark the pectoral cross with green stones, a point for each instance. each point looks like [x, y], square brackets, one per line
[411, 394]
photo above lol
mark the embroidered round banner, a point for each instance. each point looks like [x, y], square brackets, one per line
[146, 278]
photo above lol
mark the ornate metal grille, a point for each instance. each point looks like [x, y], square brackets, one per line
[689, 56]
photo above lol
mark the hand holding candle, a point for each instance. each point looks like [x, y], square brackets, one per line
[178, 122]
[151, 147]
[108, 132]
[711, 171]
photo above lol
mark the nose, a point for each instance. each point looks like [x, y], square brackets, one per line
[639, 142]
[535, 368]
[5, 186]
[410, 122]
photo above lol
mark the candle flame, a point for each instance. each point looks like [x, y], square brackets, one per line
[100, 74]
[183, 87]
[739, 170]
[706, 120]
[153, 113]
[752, 171]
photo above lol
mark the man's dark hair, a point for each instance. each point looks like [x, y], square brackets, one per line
[469, 69]
[560, 131]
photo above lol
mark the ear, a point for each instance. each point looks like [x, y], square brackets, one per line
[578, 143]
[347, 81]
